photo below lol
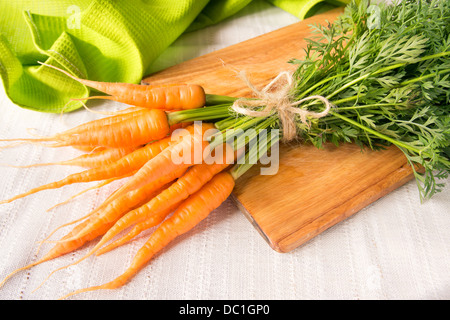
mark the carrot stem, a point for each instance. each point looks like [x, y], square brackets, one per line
[215, 99]
[206, 113]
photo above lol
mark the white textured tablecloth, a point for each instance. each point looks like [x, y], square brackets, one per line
[396, 248]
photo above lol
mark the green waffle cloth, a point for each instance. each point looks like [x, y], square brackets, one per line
[102, 40]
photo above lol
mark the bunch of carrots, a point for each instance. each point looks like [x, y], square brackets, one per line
[140, 144]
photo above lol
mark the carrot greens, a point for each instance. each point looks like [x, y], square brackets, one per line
[386, 71]
[388, 77]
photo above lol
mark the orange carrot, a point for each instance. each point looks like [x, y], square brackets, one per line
[97, 156]
[86, 127]
[105, 121]
[196, 208]
[92, 159]
[129, 130]
[167, 97]
[147, 126]
[127, 164]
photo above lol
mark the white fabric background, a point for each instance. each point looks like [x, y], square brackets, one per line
[396, 248]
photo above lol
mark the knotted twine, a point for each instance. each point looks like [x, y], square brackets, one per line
[275, 97]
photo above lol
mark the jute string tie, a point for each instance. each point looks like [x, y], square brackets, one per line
[275, 97]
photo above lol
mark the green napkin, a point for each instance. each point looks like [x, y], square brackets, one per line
[102, 40]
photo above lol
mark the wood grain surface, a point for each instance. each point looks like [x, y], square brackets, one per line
[313, 189]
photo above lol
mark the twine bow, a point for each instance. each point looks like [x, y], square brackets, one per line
[279, 100]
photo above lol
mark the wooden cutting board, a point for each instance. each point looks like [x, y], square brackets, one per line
[313, 189]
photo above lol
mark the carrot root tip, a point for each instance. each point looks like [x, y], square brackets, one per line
[82, 291]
